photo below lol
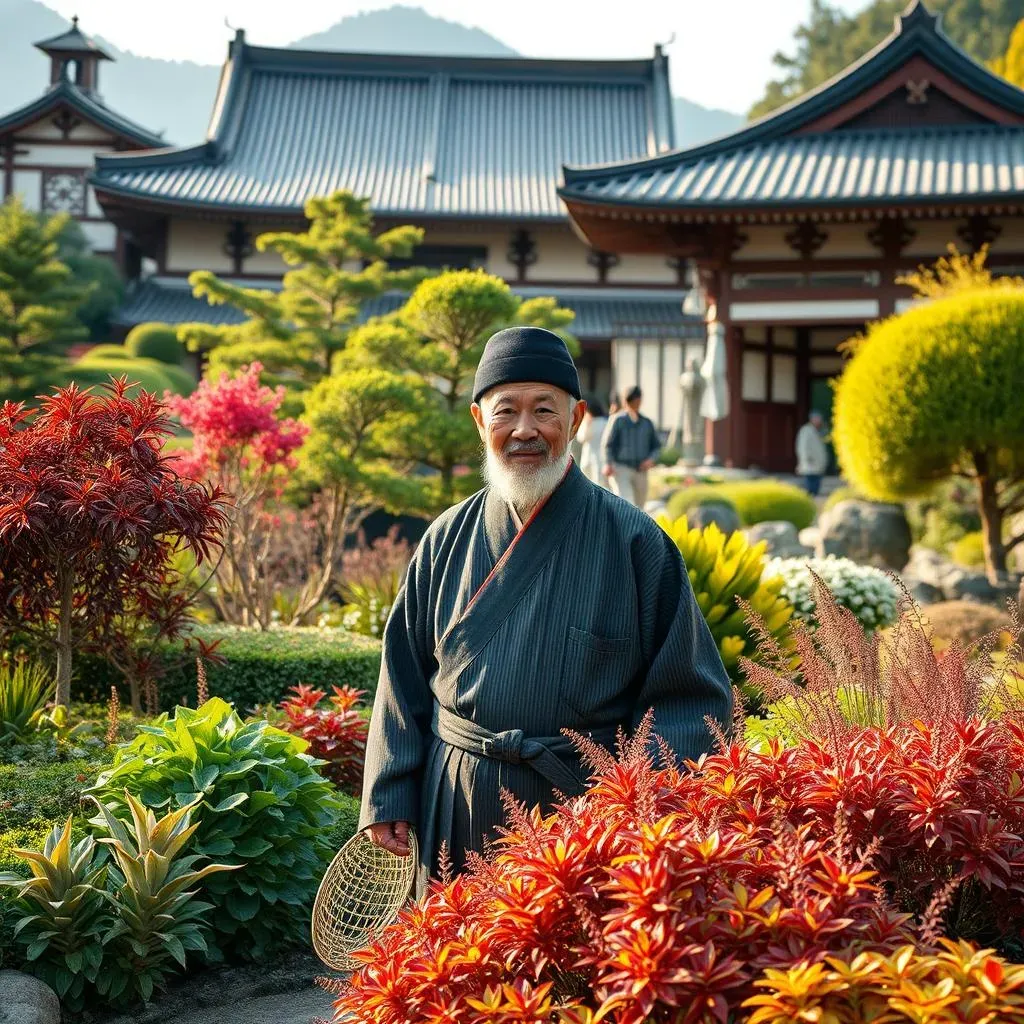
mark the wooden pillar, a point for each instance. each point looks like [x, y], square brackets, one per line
[8, 151]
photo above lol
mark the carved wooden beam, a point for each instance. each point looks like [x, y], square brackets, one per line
[891, 235]
[806, 238]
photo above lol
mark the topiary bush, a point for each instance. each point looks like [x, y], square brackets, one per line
[969, 550]
[761, 501]
[260, 667]
[148, 374]
[264, 806]
[102, 352]
[964, 622]
[869, 593]
[724, 571]
[934, 393]
[681, 501]
[155, 341]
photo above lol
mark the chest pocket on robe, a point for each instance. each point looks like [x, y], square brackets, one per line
[595, 669]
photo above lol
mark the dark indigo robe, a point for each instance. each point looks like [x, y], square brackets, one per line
[586, 623]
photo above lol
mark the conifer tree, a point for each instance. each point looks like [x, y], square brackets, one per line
[38, 301]
[434, 342]
[337, 264]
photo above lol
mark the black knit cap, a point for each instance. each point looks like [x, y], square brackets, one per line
[520, 355]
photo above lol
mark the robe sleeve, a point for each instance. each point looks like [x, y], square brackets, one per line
[686, 681]
[400, 730]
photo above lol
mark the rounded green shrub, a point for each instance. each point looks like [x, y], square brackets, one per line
[155, 341]
[969, 550]
[102, 352]
[264, 807]
[762, 501]
[927, 390]
[694, 496]
[148, 374]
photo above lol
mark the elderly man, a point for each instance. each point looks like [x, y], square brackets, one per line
[541, 603]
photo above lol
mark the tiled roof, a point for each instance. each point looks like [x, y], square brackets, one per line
[600, 314]
[441, 136]
[68, 94]
[783, 158]
[856, 167]
[74, 40]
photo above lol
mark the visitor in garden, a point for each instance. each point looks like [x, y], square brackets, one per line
[541, 603]
[630, 448]
[811, 453]
[590, 436]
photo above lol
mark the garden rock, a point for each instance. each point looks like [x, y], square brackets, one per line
[809, 537]
[781, 537]
[975, 586]
[928, 567]
[871, 533]
[924, 593]
[723, 516]
[27, 1000]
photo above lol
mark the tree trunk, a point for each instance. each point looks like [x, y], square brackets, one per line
[67, 594]
[991, 524]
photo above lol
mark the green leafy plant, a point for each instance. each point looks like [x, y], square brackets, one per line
[64, 915]
[152, 892]
[695, 495]
[155, 341]
[724, 571]
[760, 501]
[264, 808]
[25, 687]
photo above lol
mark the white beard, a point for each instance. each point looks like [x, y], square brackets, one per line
[522, 487]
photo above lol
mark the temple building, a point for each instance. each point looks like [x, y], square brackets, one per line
[49, 146]
[471, 149]
[800, 223]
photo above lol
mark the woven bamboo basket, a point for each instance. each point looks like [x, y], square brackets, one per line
[361, 894]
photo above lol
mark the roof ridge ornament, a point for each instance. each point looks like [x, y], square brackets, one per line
[917, 15]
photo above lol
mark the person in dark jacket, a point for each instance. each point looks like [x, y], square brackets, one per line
[630, 449]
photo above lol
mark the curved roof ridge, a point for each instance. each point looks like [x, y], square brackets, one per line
[89, 106]
[916, 29]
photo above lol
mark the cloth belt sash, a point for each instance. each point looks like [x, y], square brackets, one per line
[513, 747]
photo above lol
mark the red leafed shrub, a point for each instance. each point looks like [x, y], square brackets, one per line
[335, 730]
[647, 897]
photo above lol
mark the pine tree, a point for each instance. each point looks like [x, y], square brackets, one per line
[434, 342]
[294, 333]
[38, 301]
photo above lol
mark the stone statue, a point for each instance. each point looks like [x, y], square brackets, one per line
[692, 385]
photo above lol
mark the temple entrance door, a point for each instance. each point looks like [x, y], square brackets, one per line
[770, 390]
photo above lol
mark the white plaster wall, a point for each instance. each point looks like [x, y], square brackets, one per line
[847, 241]
[196, 245]
[765, 243]
[1012, 237]
[932, 238]
[642, 269]
[101, 237]
[560, 256]
[84, 132]
[29, 185]
[92, 206]
[60, 156]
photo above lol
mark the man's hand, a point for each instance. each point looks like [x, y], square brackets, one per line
[608, 471]
[392, 836]
[646, 465]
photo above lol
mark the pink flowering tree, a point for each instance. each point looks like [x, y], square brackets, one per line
[243, 445]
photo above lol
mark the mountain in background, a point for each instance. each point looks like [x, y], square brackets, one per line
[176, 97]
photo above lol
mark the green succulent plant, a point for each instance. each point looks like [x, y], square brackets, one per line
[262, 807]
[723, 571]
[25, 687]
[158, 918]
[63, 913]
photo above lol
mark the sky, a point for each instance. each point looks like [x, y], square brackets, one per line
[720, 57]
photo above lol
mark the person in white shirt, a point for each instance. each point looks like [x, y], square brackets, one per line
[590, 433]
[811, 453]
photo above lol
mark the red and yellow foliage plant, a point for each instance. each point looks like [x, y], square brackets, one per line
[335, 728]
[957, 985]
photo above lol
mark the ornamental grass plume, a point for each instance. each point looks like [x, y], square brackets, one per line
[113, 718]
[832, 679]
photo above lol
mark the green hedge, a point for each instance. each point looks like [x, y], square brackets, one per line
[761, 501]
[155, 341]
[260, 666]
[755, 501]
[699, 494]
